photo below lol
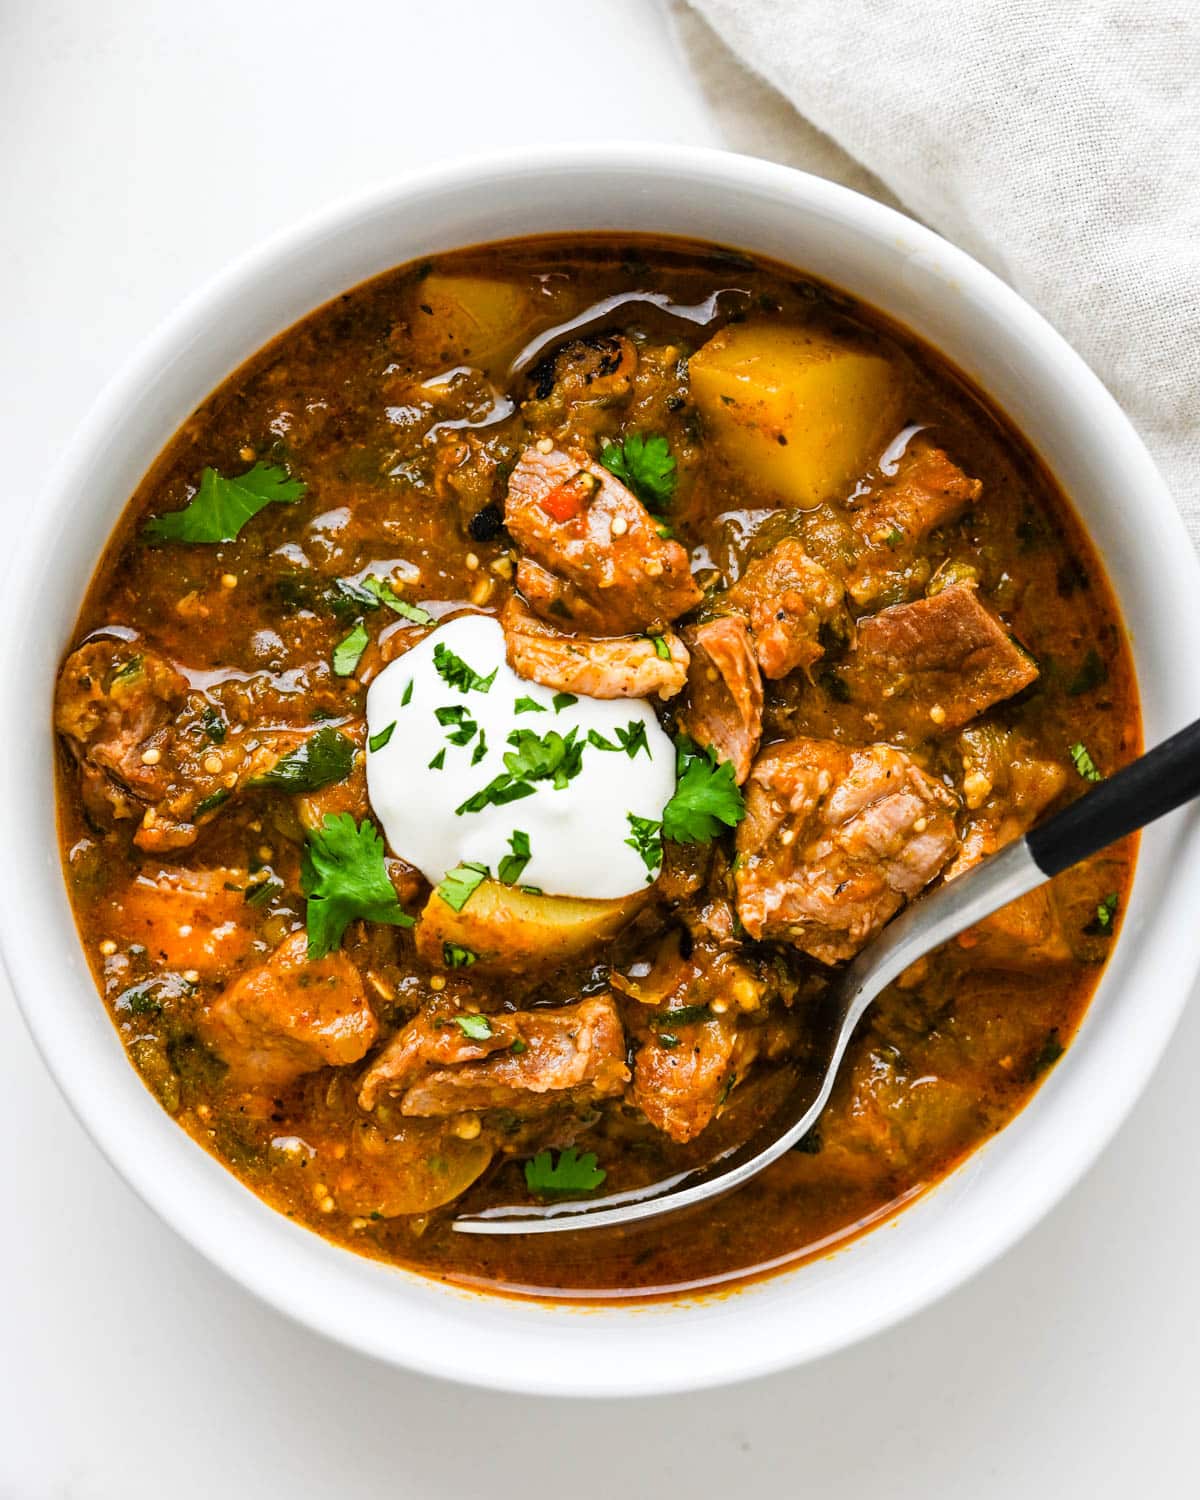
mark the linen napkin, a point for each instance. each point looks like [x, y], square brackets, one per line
[1056, 140]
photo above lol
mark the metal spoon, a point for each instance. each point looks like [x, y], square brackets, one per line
[1149, 787]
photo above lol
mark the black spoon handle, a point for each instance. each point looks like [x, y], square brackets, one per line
[1156, 783]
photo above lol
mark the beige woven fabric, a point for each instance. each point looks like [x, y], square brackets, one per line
[1056, 140]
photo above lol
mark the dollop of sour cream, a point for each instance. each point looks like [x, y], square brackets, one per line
[430, 765]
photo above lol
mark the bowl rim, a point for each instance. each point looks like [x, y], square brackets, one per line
[22, 912]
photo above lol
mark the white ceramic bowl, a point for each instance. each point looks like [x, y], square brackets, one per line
[1004, 1188]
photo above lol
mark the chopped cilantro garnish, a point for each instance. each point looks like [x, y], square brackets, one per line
[476, 1028]
[1084, 763]
[408, 692]
[528, 706]
[455, 956]
[631, 738]
[386, 594]
[439, 760]
[460, 884]
[518, 1046]
[664, 531]
[513, 865]
[344, 877]
[127, 671]
[646, 839]
[211, 802]
[214, 725]
[378, 741]
[323, 758]
[221, 507]
[661, 649]
[894, 537]
[682, 1015]
[1101, 924]
[453, 670]
[571, 1173]
[260, 894]
[1092, 673]
[500, 790]
[348, 652]
[480, 749]
[643, 461]
[707, 798]
[544, 757]
[563, 700]
[465, 726]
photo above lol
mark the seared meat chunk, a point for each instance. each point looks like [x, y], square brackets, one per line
[573, 389]
[139, 733]
[596, 667]
[575, 1054]
[188, 919]
[723, 707]
[593, 557]
[835, 839]
[292, 1015]
[926, 489]
[115, 703]
[892, 516]
[1007, 787]
[788, 599]
[935, 664]
[683, 1016]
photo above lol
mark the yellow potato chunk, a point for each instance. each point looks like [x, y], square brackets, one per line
[411, 1167]
[510, 930]
[801, 412]
[467, 319]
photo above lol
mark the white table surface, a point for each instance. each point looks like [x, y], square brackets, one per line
[143, 143]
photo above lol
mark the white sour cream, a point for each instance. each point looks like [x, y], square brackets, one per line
[576, 833]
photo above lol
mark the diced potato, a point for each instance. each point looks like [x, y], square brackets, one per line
[467, 319]
[801, 412]
[510, 930]
[409, 1168]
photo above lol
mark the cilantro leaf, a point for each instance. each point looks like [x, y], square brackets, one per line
[460, 884]
[221, 507]
[661, 649]
[344, 877]
[455, 956]
[631, 738]
[1101, 924]
[465, 726]
[453, 670]
[500, 790]
[571, 1173]
[512, 865]
[480, 749]
[348, 652]
[563, 700]
[475, 1027]
[378, 741]
[646, 839]
[643, 462]
[439, 760]
[408, 692]
[707, 798]
[528, 706]
[323, 758]
[382, 590]
[544, 757]
[1084, 763]
[214, 725]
